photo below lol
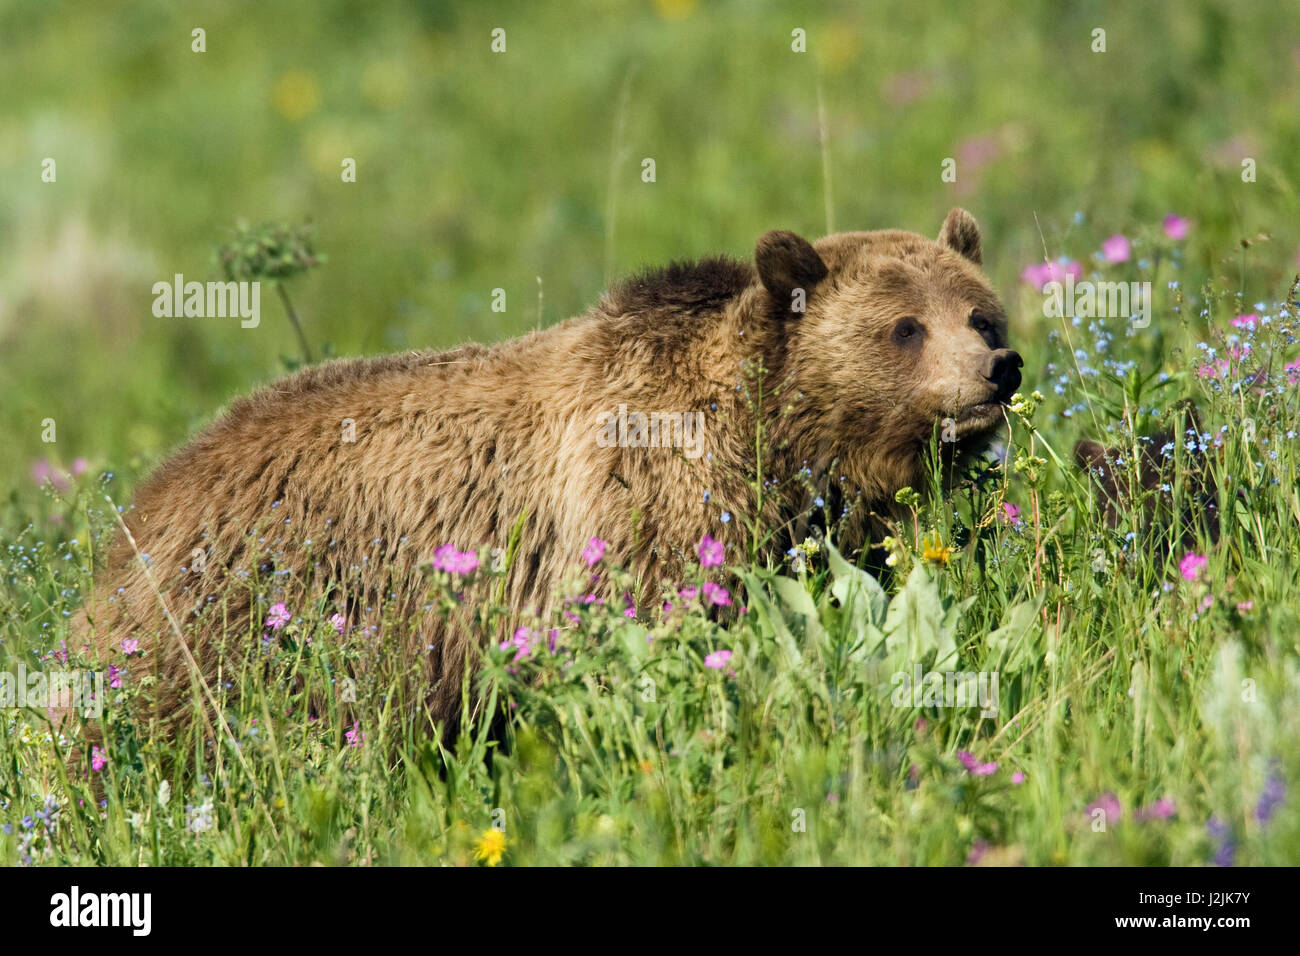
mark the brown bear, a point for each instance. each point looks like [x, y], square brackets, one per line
[850, 353]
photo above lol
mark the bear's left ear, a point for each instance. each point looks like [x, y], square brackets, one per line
[786, 263]
[961, 233]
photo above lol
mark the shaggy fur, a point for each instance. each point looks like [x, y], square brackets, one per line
[898, 333]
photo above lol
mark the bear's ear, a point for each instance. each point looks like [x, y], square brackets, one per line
[961, 233]
[788, 263]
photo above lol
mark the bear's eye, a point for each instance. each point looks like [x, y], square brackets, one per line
[908, 331]
[980, 323]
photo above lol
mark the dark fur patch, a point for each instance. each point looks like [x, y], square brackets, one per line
[690, 287]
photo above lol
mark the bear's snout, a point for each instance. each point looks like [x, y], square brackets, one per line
[1004, 372]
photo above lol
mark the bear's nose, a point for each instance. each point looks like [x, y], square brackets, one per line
[1004, 372]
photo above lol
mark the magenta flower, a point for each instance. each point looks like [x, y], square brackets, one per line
[629, 606]
[447, 558]
[973, 766]
[717, 660]
[522, 641]
[98, 759]
[1162, 809]
[1176, 227]
[1191, 565]
[355, 737]
[1017, 778]
[114, 677]
[1116, 249]
[1292, 370]
[594, 551]
[130, 645]
[1010, 513]
[1245, 321]
[1039, 274]
[278, 616]
[339, 623]
[1109, 804]
[716, 594]
[711, 552]
[688, 593]
[1244, 606]
[43, 471]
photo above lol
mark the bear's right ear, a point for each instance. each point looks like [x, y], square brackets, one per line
[789, 268]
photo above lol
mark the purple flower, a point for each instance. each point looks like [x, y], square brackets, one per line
[1116, 249]
[1108, 803]
[1190, 566]
[1039, 274]
[522, 641]
[1010, 513]
[717, 660]
[447, 558]
[1176, 227]
[711, 552]
[1162, 809]
[114, 677]
[98, 759]
[278, 616]
[355, 737]
[1018, 778]
[130, 645]
[339, 623]
[688, 593]
[716, 594]
[1272, 797]
[594, 551]
[973, 766]
[1245, 321]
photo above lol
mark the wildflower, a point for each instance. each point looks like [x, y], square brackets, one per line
[717, 660]
[1018, 778]
[716, 594]
[629, 606]
[1292, 370]
[447, 558]
[130, 645]
[711, 552]
[1245, 321]
[1176, 227]
[355, 737]
[1010, 513]
[98, 759]
[1190, 566]
[1116, 249]
[1162, 809]
[1244, 606]
[114, 677]
[934, 551]
[278, 616]
[594, 551]
[199, 819]
[490, 846]
[973, 766]
[1108, 803]
[688, 593]
[338, 622]
[522, 641]
[1272, 797]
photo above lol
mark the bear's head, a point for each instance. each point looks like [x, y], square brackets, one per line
[890, 338]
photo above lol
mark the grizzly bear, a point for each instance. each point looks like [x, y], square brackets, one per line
[847, 355]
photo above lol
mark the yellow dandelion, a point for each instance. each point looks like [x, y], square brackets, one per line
[934, 551]
[490, 846]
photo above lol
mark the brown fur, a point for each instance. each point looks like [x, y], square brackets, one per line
[455, 446]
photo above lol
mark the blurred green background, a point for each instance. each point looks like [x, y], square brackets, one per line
[478, 170]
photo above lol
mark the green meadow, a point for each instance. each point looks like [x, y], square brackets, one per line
[1120, 690]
